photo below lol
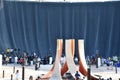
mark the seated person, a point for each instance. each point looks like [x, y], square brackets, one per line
[107, 63]
[77, 75]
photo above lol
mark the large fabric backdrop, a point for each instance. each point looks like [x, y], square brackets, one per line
[34, 26]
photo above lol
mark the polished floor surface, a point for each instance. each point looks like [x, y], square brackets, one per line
[102, 71]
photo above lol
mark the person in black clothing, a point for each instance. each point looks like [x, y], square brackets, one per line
[77, 75]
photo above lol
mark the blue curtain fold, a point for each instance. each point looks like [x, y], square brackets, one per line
[35, 27]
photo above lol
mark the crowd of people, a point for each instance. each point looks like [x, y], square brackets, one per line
[10, 56]
[114, 60]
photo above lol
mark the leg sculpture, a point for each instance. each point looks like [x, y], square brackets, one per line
[68, 45]
[57, 68]
[82, 62]
[55, 71]
[69, 64]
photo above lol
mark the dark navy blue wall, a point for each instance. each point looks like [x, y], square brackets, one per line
[34, 27]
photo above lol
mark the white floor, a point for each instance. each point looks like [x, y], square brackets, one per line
[30, 70]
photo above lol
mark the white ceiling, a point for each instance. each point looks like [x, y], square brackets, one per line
[65, 0]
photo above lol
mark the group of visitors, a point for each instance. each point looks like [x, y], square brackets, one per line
[11, 56]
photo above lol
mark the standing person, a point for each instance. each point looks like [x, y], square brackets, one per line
[6, 60]
[17, 75]
[77, 75]
[16, 59]
[39, 61]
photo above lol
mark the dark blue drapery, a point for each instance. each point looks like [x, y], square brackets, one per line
[34, 27]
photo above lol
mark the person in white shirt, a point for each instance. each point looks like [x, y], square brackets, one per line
[17, 75]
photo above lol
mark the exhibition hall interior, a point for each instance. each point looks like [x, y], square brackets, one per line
[59, 40]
